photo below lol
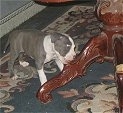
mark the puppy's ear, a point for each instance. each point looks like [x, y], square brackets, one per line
[55, 36]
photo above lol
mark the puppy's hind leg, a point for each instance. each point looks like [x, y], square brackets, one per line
[21, 60]
[41, 73]
[11, 62]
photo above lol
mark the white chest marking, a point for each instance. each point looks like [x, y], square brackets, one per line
[49, 49]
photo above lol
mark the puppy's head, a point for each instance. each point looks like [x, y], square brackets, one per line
[64, 47]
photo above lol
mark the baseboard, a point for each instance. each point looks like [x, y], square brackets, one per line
[18, 17]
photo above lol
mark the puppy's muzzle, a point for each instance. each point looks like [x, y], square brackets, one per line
[70, 57]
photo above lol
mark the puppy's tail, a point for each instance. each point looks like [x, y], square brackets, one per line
[6, 46]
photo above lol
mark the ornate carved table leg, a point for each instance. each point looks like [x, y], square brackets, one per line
[118, 51]
[95, 50]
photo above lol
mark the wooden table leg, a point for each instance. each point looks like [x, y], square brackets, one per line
[119, 80]
[118, 53]
[94, 51]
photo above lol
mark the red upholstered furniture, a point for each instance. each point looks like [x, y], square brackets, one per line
[107, 45]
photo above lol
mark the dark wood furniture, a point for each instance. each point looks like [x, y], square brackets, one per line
[108, 46]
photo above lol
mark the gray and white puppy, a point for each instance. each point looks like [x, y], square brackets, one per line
[42, 48]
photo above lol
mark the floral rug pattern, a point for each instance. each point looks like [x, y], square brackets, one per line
[103, 98]
[81, 24]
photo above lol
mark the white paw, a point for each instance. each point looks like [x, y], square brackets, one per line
[42, 76]
[24, 64]
[43, 81]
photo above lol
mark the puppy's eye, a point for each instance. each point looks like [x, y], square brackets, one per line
[68, 45]
[61, 37]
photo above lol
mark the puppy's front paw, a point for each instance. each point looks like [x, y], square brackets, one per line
[24, 64]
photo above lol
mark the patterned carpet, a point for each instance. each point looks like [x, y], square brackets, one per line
[93, 93]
